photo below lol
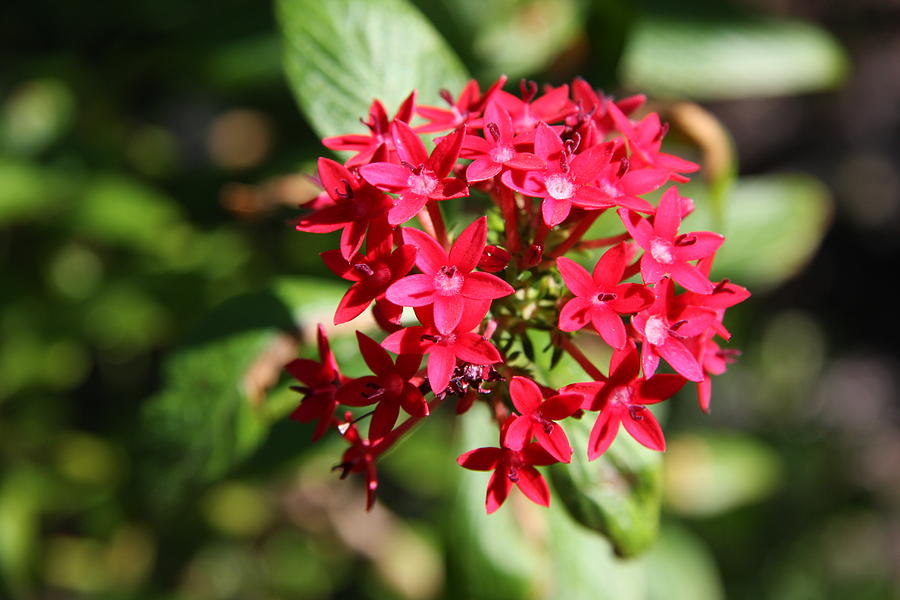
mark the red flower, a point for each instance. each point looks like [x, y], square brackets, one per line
[568, 180]
[390, 387]
[645, 138]
[510, 467]
[360, 458]
[537, 418]
[321, 380]
[419, 178]
[600, 298]
[665, 328]
[355, 204]
[469, 104]
[366, 146]
[622, 399]
[444, 349]
[372, 273]
[526, 112]
[447, 281]
[595, 104]
[666, 252]
[492, 155]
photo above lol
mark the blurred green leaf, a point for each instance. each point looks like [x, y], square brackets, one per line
[710, 474]
[618, 494]
[342, 54]
[773, 225]
[27, 191]
[681, 567]
[492, 554]
[739, 57]
[35, 115]
[212, 412]
[122, 211]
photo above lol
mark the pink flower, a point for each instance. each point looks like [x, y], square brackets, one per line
[355, 204]
[665, 328]
[568, 180]
[666, 252]
[600, 298]
[511, 467]
[366, 146]
[537, 418]
[447, 281]
[419, 178]
[622, 400]
[321, 380]
[468, 105]
[443, 350]
[372, 274]
[390, 387]
[497, 149]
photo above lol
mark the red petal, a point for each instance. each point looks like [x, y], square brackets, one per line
[446, 152]
[333, 174]
[668, 214]
[474, 349]
[651, 271]
[498, 490]
[526, 395]
[533, 485]
[690, 277]
[484, 286]
[561, 406]
[576, 277]
[352, 238]
[518, 433]
[386, 176]
[604, 432]
[482, 169]
[441, 362]
[430, 256]
[555, 443]
[639, 228]
[547, 143]
[526, 161]
[609, 325]
[354, 302]
[412, 401]
[575, 314]
[608, 272]
[645, 429]
[480, 459]
[555, 211]
[624, 366]
[631, 298]
[412, 290]
[659, 388]
[409, 146]
[375, 356]
[467, 249]
[681, 359]
[384, 418]
[406, 341]
[705, 244]
[406, 207]
[447, 312]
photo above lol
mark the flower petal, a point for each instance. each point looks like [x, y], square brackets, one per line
[575, 314]
[441, 362]
[576, 277]
[412, 290]
[484, 286]
[603, 432]
[480, 459]
[609, 325]
[467, 249]
[533, 486]
[644, 428]
[375, 356]
[430, 257]
[448, 311]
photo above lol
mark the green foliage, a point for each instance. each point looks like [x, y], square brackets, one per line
[732, 57]
[342, 54]
[618, 494]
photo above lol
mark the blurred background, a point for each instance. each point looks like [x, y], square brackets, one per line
[151, 159]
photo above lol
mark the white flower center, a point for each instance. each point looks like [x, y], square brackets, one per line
[448, 281]
[501, 154]
[656, 331]
[621, 395]
[422, 183]
[661, 251]
[559, 187]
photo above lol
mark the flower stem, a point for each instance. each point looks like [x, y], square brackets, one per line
[601, 242]
[507, 203]
[437, 219]
[566, 343]
[577, 233]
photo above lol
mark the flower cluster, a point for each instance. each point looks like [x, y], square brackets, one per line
[541, 168]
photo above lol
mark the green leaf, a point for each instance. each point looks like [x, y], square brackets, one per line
[491, 554]
[213, 411]
[773, 225]
[738, 57]
[342, 54]
[28, 191]
[618, 494]
[710, 474]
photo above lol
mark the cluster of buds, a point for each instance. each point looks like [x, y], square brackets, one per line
[544, 168]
